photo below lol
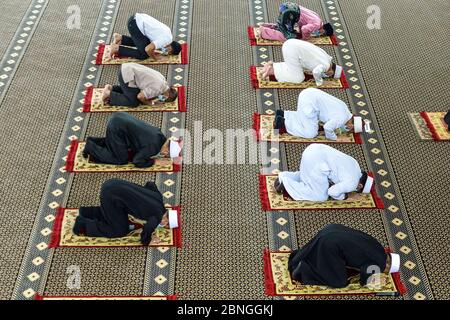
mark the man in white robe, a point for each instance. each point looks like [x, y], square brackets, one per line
[316, 106]
[300, 57]
[324, 173]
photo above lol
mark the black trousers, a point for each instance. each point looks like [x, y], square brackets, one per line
[136, 39]
[123, 95]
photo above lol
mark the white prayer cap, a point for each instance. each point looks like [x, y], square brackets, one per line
[368, 185]
[358, 124]
[338, 72]
[175, 149]
[173, 219]
[395, 263]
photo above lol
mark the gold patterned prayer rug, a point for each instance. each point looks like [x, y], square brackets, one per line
[420, 125]
[309, 82]
[143, 298]
[63, 236]
[104, 50]
[93, 102]
[254, 34]
[273, 201]
[77, 163]
[278, 281]
[436, 124]
[263, 125]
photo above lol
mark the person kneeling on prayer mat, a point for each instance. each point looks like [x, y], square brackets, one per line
[128, 137]
[316, 106]
[295, 22]
[139, 85]
[300, 57]
[336, 254]
[118, 199]
[324, 173]
[447, 119]
[148, 38]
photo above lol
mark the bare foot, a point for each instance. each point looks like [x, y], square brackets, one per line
[106, 92]
[113, 52]
[117, 38]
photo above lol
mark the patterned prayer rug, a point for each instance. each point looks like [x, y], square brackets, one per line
[278, 281]
[63, 236]
[93, 102]
[77, 163]
[264, 126]
[272, 201]
[254, 35]
[420, 125]
[39, 297]
[104, 50]
[437, 126]
[328, 83]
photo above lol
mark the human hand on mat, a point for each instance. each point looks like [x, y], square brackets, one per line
[376, 281]
[113, 52]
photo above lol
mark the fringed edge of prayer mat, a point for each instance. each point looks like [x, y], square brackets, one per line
[254, 42]
[430, 126]
[55, 238]
[45, 297]
[181, 101]
[265, 202]
[184, 54]
[88, 99]
[255, 82]
[251, 35]
[257, 132]
[270, 289]
[100, 53]
[70, 162]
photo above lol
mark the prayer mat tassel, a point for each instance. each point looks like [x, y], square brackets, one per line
[256, 126]
[263, 195]
[253, 77]
[184, 53]
[101, 51]
[269, 284]
[56, 232]
[251, 36]
[88, 99]
[70, 162]
[182, 99]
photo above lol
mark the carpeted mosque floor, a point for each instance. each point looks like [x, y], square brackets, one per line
[224, 229]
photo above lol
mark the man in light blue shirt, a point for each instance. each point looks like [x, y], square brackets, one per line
[149, 38]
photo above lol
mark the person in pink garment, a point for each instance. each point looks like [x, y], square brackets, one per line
[309, 24]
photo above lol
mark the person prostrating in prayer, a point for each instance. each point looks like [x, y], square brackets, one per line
[129, 139]
[148, 38]
[118, 200]
[139, 85]
[336, 254]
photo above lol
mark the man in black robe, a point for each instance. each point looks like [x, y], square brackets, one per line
[338, 252]
[118, 198]
[447, 120]
[130, 140]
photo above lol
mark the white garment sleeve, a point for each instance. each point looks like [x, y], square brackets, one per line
[329, 128]
[317, 73]
[339, 190]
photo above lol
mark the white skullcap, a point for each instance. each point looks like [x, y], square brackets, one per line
[175, 149]
[338, 72]
[358, 124]
[395, 263]
[173, 219]
[368, 185]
